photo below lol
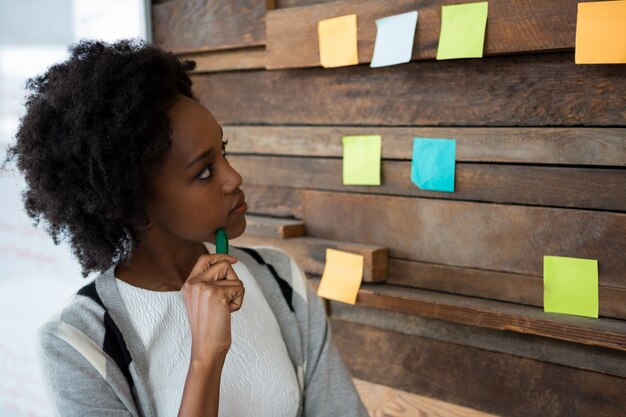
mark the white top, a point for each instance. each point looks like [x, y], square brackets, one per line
[258, 378]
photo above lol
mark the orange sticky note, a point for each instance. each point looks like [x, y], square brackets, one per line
[337, 41]
[342, 276]
[601, 33]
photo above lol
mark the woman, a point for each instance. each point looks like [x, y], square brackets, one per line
[121, 158]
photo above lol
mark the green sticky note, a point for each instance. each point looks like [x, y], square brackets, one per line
[462, 31]
[570, 286]
[361, 159]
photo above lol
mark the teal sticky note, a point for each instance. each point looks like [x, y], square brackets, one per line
[434, 162]
[570, 286]
[394, 39]
[462, 30]
[361, 159]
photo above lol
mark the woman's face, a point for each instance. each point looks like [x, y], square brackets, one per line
[197, 189]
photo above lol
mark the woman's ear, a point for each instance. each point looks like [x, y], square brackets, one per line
[146, 224]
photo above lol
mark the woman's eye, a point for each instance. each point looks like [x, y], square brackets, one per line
[205, 177]
[209, 168]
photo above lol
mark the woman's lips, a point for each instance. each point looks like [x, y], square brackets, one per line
[240, 209]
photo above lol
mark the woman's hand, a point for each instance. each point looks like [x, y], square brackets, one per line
[211, 293]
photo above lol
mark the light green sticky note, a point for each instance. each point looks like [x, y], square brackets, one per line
[462, 31]
[361, 159]
[570, 286]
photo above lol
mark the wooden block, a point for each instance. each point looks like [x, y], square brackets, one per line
[521, 90]
[522, 145]
[513, 26]
[273, 227]
[310, 253]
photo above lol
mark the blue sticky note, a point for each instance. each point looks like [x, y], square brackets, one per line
[433, 164]
[394, 39]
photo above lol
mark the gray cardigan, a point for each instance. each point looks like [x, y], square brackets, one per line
[94, 363]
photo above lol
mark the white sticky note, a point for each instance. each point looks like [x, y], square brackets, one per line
[394, 39]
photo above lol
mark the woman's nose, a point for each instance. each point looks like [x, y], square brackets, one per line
[233, 180]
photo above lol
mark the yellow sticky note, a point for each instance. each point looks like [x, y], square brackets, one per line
[462, 32]
[361, 159]
[601, 33]
[570, 286]
[342, 276]
[337, 41]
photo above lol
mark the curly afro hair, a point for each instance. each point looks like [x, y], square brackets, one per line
[95, 132]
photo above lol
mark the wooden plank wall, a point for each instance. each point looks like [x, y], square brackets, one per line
[453, 310]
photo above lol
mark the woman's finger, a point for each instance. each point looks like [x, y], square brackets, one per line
[234, 292]
[207, 260]
[221, 270]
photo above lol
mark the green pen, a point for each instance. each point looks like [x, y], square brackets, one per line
[221, 241]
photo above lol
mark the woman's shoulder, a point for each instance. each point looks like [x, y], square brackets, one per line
[82, 311]
[282, 266]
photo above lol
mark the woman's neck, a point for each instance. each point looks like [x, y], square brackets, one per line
[159, 265]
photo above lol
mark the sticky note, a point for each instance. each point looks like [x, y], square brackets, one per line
[570, 286]
[462, 31]
[394, 39]
[361, 159]
[433, 165]
[338, 42]
[601, 33]
[342, 276]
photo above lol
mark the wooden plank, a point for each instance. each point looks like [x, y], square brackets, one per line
[273, 201]
[513, 26]
[207, 25]
[558, 352]
[569, 146]
[279, 228]
[602, 332]
[227, 60]
[502, 384]
[524, 90]
[591, 188]
[310, 253]
[467, 234]
[381, 400]
[522, 289]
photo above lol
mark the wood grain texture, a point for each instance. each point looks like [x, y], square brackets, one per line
[227, 60]
[591, 188]
[273, 201]
[602, 332]
[382, 401]
[525, 90]
[501, 384]
[558, 352]
[505, 238]
[310, 253]
[515, 288]
[513, 26]
[568, 146]
[281, 4]
[206, 25]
